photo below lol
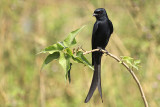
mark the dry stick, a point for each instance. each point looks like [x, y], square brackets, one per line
[126, 66]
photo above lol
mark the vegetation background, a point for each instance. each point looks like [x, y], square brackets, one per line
[28, 26]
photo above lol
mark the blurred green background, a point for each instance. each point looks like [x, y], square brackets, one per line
[28, 26]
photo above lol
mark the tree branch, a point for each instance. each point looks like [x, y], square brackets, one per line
[127, 67]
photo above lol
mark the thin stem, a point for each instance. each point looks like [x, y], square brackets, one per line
[127, 67]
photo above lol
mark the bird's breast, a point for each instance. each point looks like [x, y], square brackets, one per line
[101, 34]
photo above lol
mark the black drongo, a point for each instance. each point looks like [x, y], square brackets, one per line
[102, 31]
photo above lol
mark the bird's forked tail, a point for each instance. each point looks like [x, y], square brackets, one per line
[96, 80]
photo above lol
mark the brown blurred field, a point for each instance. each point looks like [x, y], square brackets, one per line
[28, 26]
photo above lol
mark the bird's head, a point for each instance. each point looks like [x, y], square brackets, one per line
[100, 13]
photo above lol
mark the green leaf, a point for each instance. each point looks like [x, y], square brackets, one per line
[50, 58]
[129, 62]
[133, 63]
[120, 62]
[128, 59]
[64, 61]
[77, 59]
[80, 58]
[73, 42]
[136, 67]
[54, 48]
[70, 40]
[68, 73]
[137, 62]
[69, 51]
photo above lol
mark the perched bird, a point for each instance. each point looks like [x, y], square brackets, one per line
[102, 31]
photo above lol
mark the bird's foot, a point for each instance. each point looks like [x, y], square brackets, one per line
[100, 49]
[106, 52]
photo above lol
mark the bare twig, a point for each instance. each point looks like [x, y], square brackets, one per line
[82, 49]
[127, 67]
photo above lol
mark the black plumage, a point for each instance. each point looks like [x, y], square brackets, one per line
[102, 31]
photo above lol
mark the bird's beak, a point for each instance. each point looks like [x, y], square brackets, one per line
[94, 14]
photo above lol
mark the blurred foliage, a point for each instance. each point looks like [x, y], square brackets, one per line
[131, 62]
[29, 26]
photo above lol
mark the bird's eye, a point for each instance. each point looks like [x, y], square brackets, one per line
[99, 12]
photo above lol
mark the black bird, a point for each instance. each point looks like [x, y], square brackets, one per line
[102, 31]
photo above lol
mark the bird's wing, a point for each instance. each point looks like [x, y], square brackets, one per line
[93, 40]
[111, 27]
[94, 34]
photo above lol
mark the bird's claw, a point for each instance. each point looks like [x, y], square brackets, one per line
[100, 49]
[106, 52]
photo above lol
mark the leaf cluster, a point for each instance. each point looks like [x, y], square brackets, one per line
[131, 61]
[62, 52]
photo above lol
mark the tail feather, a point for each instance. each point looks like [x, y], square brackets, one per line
[93, 86]
[96, 81]
[99, 81]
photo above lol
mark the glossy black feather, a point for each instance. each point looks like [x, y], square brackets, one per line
[102, 31]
